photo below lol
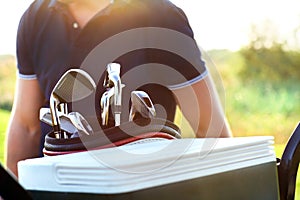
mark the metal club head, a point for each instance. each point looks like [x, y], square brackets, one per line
[80, 123]
[113, 80]
[72, 123]
[105, 103]
[112, 69]
[74, 85]
[65, 122]
[141, 104]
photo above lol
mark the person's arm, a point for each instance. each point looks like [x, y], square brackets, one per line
[23, 133]
[200, 105]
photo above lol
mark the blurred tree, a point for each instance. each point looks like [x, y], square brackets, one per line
[266, 58]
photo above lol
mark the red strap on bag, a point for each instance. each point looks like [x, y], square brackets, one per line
[115, 144]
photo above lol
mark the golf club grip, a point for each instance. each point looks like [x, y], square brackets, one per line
[10, 188]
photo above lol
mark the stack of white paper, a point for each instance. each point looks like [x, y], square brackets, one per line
[143, 164]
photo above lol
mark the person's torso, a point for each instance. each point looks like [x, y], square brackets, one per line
[151, 65]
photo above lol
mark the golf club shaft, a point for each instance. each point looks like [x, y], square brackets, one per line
[55, 118]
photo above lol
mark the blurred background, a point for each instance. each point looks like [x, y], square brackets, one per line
[252, 44]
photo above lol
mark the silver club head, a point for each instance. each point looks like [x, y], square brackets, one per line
[65, 122]
[74, 85]
[80, 123]
[142, 104]
[112, 69]
[113, 80]
[105, 103]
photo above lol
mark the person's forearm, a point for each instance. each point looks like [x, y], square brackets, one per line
[214, 123]
[23, 133]
[21, 144]
[207, 120]
[200, 105]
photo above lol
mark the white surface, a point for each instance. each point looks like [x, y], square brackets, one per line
[135, 167]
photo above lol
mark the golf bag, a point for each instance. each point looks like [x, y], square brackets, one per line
[128, 132]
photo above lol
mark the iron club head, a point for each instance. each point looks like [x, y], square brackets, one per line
[105, 103]
[142, 104]
[74, 85]
[65, 122]
[113, 80]
[80, 123]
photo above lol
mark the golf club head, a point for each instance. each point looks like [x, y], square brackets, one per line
[141, 104]
[73, 86]
[111, 69]
[80, 123]
[113, 80]
[65, 123]
[105, 103]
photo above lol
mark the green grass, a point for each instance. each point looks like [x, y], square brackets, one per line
[263, 110]
[257, 107]
[4, 119]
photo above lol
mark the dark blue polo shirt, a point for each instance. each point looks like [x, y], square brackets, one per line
[157, 40]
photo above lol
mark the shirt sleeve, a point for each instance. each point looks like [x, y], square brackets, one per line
[24, 58]
[195, 69]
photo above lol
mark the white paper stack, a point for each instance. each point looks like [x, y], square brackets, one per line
[143, 164]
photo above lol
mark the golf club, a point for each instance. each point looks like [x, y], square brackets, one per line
[113, 80]
[141, 104]
[80, 123]
[72, 123]
[74, 85]
[105, 103]
[65, 123]
[63, 108]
